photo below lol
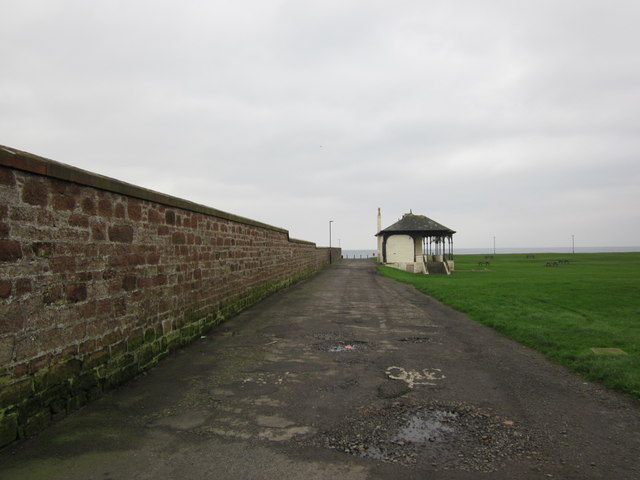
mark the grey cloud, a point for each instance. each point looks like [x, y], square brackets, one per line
[499, 117]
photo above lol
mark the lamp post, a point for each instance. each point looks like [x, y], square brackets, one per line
[494, 244]
[573, 245]
[330, 222]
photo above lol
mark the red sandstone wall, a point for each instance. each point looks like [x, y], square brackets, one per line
[101, 279]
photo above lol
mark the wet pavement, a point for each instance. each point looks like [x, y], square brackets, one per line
[345, 374]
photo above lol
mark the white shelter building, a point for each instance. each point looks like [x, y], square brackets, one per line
[417, 244]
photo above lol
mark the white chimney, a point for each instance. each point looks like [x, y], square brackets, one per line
[380, 237]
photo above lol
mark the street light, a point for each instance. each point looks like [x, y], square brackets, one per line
[330, 222]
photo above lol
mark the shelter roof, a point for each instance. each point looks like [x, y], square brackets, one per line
[411, 223]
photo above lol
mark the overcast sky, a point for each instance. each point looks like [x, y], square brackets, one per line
[507, 118]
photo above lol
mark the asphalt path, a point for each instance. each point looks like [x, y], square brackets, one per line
[344, 375]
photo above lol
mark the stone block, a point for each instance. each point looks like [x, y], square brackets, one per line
[149, 335]
[8, 428]
[94, 392]
[7, 177]
[55, 398]
[6, 349]
[62, 264]
[178, 238]
[98, 232]
[159, 346]
[76, 292]
[135, 259]
[129, 283]
[167, 326]
[61, 372]
[136, 339]
[119, 210]
[11, 394]
[84, 382]
[78, 220]
[96, 359]
[88, 206]
[23, 286]
[10, 251]
[63, 203]
[37, 364]
[173, 339]
[77, 401]
[34, 192]
[105, 208]
[119, 376]
[53, 295]
[43, 249]
[134, 210]
[145, 356]
[118, 348]
[5, 288]
[38, 421]
[154, 216]
[121, 233]
[21, 369]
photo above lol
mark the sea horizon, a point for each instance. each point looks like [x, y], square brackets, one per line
[366, 253]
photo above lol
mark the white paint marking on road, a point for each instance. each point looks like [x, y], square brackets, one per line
[415, 377]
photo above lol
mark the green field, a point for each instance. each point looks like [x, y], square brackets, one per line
[563, 311]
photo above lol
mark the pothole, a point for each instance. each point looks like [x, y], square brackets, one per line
[427, 428]
[416, 339]
[347, 346]
[342, 346]
[439, 436]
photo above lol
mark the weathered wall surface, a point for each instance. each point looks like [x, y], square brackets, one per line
[100, 279]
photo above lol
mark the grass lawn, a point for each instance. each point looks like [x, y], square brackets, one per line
[563, 311]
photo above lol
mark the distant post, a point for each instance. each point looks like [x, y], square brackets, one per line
[573, 245]
[494, 244]
[330, 222]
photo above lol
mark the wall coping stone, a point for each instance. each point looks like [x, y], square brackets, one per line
[28, 162]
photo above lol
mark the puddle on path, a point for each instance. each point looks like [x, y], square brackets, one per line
[453, 436]
[429, 428]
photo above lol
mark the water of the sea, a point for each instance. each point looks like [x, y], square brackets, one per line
[364, 253]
